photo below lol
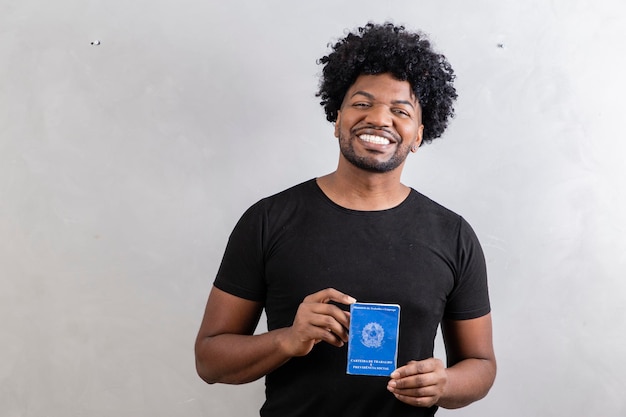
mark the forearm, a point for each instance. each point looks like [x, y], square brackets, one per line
[238, 359]
[468, 381]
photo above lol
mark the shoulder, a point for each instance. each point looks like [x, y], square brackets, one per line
[428, 208]
[292, 196]
[283, 203]
[440, 217]
[304, 189]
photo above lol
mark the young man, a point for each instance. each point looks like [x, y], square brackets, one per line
[305, 254]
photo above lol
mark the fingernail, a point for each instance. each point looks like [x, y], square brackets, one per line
[391, 384]
[351, 300]
[395, 374]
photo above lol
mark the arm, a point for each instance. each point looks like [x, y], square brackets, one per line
[470, 374]
[227, 351]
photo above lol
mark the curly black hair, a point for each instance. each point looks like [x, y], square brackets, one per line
[408, 56]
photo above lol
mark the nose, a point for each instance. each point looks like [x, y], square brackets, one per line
[379, 116]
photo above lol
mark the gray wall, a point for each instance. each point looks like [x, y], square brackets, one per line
[124, 166]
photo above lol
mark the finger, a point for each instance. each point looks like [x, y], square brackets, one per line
[415, 368]
[417, 386]
[423, 396]
[328, 336]
[426, 401]
[313, 318]
[328, 316]
[331, 319]
[330, 294]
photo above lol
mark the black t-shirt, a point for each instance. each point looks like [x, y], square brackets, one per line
[418, 254]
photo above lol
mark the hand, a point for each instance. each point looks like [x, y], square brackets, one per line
[316, 320]
[419, 383]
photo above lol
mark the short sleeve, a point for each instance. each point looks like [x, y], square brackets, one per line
[470, 297]
[241, 272]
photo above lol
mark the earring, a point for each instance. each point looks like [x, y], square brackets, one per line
[414, 148]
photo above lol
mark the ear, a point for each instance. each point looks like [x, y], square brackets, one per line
[418, 139]
[337, 124]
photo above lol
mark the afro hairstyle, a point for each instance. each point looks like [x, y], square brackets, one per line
[407, 56]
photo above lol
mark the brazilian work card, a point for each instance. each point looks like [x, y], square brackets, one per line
[373, 339]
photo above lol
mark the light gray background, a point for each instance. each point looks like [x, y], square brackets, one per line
[124, 166]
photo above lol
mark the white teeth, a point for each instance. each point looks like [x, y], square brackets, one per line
[375, 139]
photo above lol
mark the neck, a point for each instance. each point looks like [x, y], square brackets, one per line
[353, 188]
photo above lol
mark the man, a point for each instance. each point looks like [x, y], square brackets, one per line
[307, 253]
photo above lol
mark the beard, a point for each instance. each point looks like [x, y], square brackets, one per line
[369, 163]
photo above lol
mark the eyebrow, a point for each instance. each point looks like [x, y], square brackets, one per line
[371, 97]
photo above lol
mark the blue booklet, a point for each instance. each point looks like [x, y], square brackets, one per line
[373, 339]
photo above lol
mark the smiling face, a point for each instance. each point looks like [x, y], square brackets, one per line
[379, 122]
